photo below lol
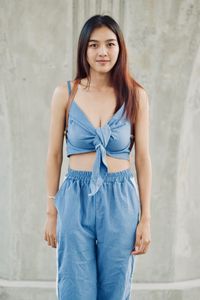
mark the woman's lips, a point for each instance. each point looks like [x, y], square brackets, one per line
[102, 61]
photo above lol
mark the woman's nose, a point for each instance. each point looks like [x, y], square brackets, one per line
[102, 50]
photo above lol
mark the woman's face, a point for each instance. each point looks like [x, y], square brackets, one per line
[102, 46]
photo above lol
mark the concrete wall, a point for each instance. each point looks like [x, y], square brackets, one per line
[38, 41]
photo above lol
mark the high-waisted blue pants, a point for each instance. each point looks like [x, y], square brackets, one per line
[95, 236]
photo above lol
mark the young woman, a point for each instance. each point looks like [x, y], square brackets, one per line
[98, 220]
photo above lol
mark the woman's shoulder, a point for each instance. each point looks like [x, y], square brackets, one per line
[61, 88]
[66, 85]
[142, 97]
[60, 94]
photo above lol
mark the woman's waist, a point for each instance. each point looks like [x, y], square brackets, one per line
[85, 161]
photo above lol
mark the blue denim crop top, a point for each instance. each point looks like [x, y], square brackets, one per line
[112, 139]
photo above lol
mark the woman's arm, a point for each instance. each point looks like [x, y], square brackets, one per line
[142, 155]
[54, 159]
[55, 146]
[144, 173]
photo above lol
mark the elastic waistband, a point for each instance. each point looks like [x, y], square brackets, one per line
[110, 176]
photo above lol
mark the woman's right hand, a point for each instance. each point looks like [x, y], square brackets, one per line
[50, 229]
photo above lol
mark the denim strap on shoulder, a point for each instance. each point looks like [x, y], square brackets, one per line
[69, 86]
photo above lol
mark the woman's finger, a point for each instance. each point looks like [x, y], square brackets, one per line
[146, 243]
[51, 238]
[48, 240]
[137, 242]
[146, 246]
[141, 245]
[141, 249]
[54, 242]
[136, 252]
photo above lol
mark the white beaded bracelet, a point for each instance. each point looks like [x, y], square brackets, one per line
[51, 197]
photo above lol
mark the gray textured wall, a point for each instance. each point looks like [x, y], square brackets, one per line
[38, 41]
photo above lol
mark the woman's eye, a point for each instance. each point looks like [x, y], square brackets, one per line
[91, 45]
[111, 44]
[95, 45]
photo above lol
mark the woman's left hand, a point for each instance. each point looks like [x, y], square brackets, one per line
[143, 237]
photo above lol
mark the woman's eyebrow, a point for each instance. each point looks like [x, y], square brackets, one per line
[109, 40]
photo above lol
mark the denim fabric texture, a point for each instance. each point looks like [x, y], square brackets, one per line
[95, 236]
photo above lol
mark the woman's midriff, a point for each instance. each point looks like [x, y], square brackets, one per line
[85, 161]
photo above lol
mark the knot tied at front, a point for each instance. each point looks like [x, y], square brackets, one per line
[100, 168]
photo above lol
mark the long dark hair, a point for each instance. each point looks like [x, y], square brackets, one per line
[124, 85]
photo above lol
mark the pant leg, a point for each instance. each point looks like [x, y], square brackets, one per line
[117, 216]
[76, 247]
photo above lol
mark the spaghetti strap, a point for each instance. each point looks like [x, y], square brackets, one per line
[69, 86]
